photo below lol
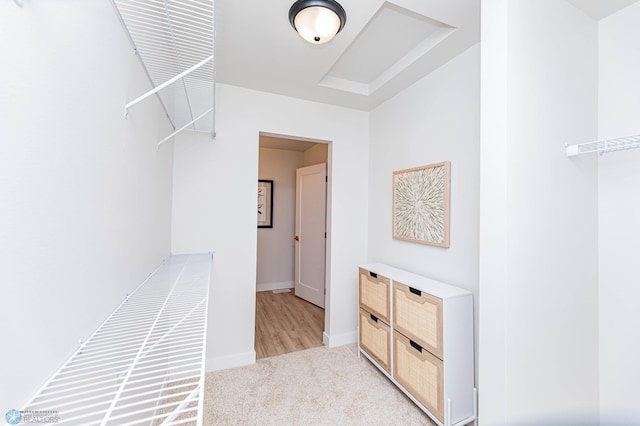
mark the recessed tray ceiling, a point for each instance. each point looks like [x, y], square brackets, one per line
[393, 39]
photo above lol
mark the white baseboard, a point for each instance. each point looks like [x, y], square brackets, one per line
[273, 286]
[339, 339]
[230, 361]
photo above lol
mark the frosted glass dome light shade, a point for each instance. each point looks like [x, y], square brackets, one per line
[317, 24]
[317, 21]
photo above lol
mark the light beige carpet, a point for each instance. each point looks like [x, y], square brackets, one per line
[318, 386]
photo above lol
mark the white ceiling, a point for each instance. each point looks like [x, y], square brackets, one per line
[599, 9]
[384, 47]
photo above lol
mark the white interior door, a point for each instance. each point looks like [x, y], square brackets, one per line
[311, 211]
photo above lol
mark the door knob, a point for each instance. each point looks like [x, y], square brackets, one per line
[296, 238]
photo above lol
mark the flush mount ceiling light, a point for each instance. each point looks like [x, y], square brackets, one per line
[317, 21]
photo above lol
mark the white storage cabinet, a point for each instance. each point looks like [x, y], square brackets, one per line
[419, 333]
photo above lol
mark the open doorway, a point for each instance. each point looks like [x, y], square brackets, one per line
[290, 314]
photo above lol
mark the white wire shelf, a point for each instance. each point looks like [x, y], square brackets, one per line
[145, 364]
[604, 146]
[174, 40]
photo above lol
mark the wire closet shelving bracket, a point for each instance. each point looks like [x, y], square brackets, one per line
[604, 146]
[174, 41]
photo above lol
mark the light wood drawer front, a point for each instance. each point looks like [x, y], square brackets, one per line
[374, 294]
[420, 373]
[375, 338]
[418, 315]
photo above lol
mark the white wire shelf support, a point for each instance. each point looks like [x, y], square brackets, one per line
[165, 84]
[604, 146]
[184, 127]
[144, 365]
[175, 40]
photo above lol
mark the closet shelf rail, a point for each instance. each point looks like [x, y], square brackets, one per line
[145, 363]
[604, 146]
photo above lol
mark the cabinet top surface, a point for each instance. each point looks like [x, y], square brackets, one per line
[437, 288]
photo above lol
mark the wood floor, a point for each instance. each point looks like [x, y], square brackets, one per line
[286, 323]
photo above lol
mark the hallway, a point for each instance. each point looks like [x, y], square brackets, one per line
[286, 323]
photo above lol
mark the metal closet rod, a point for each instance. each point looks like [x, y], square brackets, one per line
[604, 146]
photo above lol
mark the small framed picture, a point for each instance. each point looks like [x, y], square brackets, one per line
[265, 203]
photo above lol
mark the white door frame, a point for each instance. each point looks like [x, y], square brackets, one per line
[327, 275]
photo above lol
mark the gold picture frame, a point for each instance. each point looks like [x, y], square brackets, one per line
[421, 204]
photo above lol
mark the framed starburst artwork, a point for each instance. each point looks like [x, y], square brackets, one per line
[421, 204]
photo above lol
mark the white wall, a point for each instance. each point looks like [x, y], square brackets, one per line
[491, 338]
[86, 199]
[276, 245]
[539, 267]
[619, 210]
[214, 208]
[318, 153]
[434, 120]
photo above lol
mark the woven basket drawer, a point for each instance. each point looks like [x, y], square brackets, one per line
[375, 338]
[420, 373]
[418, 315]
[374, 294]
